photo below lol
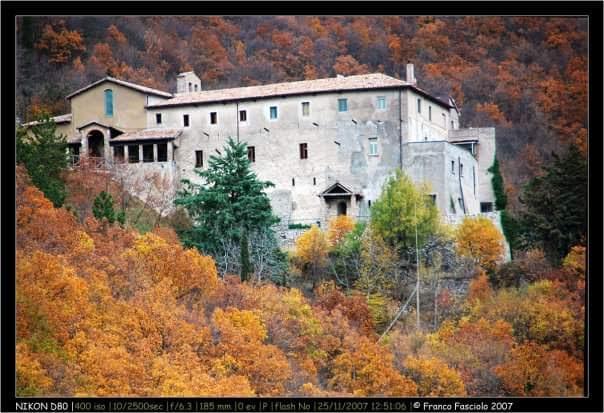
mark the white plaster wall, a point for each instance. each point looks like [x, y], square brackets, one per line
[277, 142]
[420, 125]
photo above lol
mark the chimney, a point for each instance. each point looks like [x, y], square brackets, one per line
[410, 75]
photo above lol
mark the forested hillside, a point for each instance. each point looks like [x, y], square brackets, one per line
[103, 310]
[525, 75]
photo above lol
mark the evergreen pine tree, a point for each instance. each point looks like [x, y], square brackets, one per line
[228, 207]
[555, 216]
[44, 154]
[103, 207]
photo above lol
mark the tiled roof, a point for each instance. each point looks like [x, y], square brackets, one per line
[130, 85]
[333, 84]
[58, 119]
[147, 134]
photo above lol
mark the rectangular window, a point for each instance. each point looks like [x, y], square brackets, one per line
[133, 154]
[148, 153]
[303, 151]
[185, 120]
[158, 118]
[342, 105]
[251, 153]
[118, 153]
[461, 170]
[429, 112]
[198, 159]
[314, 181]
[373, 146]
[273, 112]
[381, 102]
[305, 108]
[453, 167]
[162, 152]
[213, 118]
[419, 106]
[452, 124]
[108, 102]
[293, 181]
[486, 207]
[242, 116]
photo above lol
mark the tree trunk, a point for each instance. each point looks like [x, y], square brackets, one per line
[245, 258]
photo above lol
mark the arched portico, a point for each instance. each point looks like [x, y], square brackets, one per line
[96, 143]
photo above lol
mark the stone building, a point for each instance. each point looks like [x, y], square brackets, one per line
[328, 145]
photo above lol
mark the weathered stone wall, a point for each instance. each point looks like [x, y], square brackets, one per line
[485, 154]
[431, 162]
[338, 144]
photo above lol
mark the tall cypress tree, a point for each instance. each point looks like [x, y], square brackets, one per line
[229, 206]
[555, 216]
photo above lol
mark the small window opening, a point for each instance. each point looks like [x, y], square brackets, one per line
[158, 118]
[195, 88]
[303, 151]
[373, 146]
[242, 116]
[273, 112]
[381, 102]
[190, 87]
[305, 108]
[429, 112]
[162, 152]
[314, 181]
[198, 159]
[419, 106]
[213, 118]
[148, 153]
[133, 154]
[293, 181]
[342, 105]
[453, 167]
[251, 153]
[185, 120]
[118, 153]
[486, 207]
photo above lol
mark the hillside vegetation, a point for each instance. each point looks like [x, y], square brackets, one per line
[103, 310]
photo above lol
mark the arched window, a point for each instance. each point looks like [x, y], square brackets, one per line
[108, 102]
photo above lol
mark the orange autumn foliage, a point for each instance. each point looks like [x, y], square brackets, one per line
[338, 227]
[535, 371]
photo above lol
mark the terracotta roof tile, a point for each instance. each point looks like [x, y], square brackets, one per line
[58, 119]
[334, 84]
[148, 134]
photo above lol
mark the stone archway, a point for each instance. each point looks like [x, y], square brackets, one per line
[96, 144]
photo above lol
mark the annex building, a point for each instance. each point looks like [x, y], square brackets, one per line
[328, 145]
